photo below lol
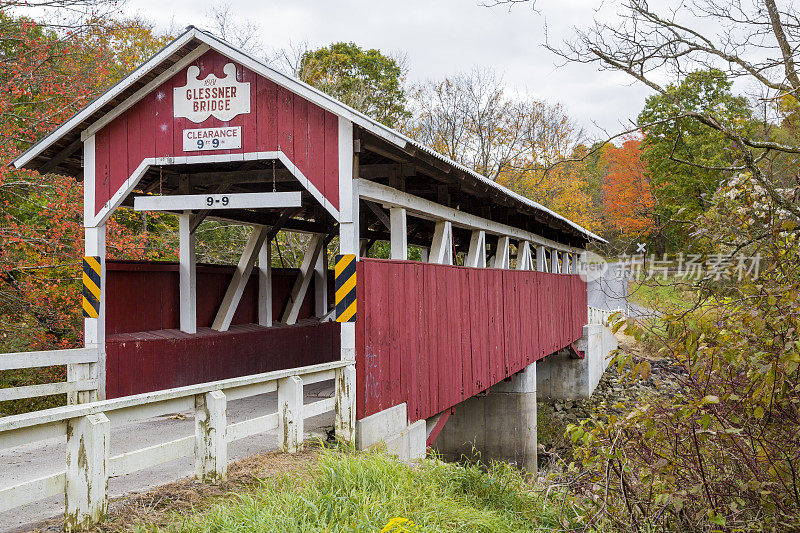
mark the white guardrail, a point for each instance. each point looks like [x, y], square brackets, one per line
[86, 428]
[601, 316]
[81, 384]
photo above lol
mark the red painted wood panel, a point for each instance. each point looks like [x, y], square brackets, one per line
[144, 296]
[267, 115]
[278, 120]
[164, 119]
[150, 361]
[432, 335]
[331, 191]
[102, 168]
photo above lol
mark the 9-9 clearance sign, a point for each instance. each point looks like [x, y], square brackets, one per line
[223, 98]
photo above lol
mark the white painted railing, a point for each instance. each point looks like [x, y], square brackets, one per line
[86, 428]
[601, 316]
[81, 384]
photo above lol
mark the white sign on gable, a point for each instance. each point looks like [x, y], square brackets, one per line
[223, 98]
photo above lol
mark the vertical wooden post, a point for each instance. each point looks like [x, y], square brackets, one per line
[565, 263]
[349, 243]
[554, 261]
[576, 263]
[501, 257]
[541, 259]
[476, 256]
[86, 495]
[265, 284]
[210, 444]
[345, 424]
[399, 233]
[187, 273]
[95, 328]
[80, 372]
[290, 411]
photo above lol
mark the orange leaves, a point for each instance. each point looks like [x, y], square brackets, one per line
[627, 198]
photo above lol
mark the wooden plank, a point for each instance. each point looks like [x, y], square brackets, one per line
[319, 407]
[147, 128]
[407, 320]
[133, 152]
[254, 426]
[157, 454]
[396, 327]
[163, 120]
[17, 360]
[102, 169]
[285, 122]
[316, 147]
[249, 120]
[47, 389]
[300, 133]
[331, 190]
[31, 491]
[267, 114]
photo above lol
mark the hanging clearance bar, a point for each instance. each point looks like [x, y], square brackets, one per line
[252, 200]
[91, 286]
[345, 283]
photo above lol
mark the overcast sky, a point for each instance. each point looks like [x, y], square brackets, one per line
[442, 37]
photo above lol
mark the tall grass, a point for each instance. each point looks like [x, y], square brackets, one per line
[372, 491]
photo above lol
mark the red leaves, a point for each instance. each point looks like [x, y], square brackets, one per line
[627, 199]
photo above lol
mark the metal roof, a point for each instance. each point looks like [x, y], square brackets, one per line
[127, 87]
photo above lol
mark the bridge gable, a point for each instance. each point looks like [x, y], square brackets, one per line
[268, 118]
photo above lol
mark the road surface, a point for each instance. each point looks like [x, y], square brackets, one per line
[611, 292]
[47, 457]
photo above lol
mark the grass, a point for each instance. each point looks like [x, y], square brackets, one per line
[372, 491]
[664, 294]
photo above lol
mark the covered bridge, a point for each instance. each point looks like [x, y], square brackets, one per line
[205, 131]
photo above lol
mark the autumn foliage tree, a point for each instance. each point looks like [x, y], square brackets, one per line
[627, 198]
[47, 74]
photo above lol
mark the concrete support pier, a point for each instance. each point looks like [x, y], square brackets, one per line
[500, 424]
[561, 376]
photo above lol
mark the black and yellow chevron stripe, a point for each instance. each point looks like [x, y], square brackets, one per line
[345, 288]
[91, 286]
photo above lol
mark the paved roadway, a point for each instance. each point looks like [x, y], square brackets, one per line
[611, 292]
[46, 457]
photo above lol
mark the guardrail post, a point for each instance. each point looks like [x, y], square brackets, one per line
[86, 495]
[210, 445]
[290, 411]
[81, 372]
[345, 424]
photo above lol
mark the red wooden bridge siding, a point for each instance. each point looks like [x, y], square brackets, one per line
[278, 120]
[156, 360]
[145, 296]
[145, 350]
[433, 335]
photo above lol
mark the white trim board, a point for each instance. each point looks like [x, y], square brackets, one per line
[127, 187]
[426, 209]
[252, 200]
